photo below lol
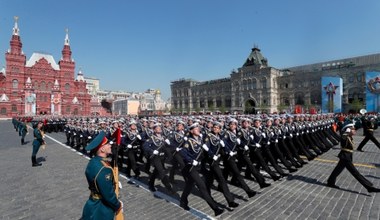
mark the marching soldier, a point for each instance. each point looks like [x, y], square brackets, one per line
[103, 203]
[153, 149]
[131, 143]
[176, 141]
[192, 155]
[345, 161]
[38, 141]
[213, 142]
[231, 142]
[369, 126]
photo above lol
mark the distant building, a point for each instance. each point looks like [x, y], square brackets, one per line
[125, 107]
[40, 85]
[92, 85]
[258, 87]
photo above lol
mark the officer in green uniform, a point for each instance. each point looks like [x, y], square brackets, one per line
[103, 202]
[37, 142]
[345, 161]
[23, 131]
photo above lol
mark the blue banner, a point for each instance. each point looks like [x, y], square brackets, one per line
[372, 80]
[332, 91]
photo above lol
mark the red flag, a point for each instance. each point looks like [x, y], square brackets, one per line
[117, 136]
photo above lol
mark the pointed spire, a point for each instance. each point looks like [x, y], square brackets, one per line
[67, 40]
[29, 81]
[15, 29]
[56, 82]
[80, 75]
[66, 52]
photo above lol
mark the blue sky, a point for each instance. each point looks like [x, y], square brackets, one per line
[140, 44]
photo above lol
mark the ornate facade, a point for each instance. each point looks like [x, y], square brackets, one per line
[256, 86]
[40, 85]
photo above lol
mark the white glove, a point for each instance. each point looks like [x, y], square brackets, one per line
[215, 157]
[291, 135]
[185, 138]
[89, 137]
[201, 135]
[178, 149]
[263, 135]
[272, 133]
[167, 141]
[251, 136]
[238, 141]
[81, 136]
[155, 152]
[204, 146]
[222, 143]
[246, 147]
[231, 153]
[129, 146]
[138, 136]
[268, 142]
[120, 186]
[195, 163]
[258, 145]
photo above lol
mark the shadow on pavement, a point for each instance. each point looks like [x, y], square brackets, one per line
[314, 181]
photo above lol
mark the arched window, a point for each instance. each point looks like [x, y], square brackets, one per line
[264, 83]
[67, 87]
[49, 86]
[15, 84]
[14, 108]
[43, 86]
[35, 85]
[3, 111]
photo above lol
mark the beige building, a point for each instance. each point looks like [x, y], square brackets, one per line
[256, 86]
[125, 107]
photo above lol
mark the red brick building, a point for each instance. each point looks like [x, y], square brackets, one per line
[40, 85]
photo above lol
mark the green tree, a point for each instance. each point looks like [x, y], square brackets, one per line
[211, 108]
[356, 105]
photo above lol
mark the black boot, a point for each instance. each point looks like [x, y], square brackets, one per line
[34, 162]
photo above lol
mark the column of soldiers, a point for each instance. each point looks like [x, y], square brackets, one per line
[216, 147]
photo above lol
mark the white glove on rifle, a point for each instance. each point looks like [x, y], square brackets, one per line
[89, 137]
[167, 141]
[129, 146]
[138, 137]
[215, 157]
[185, 138]
[195, 163]
[222, 143]
[246, 147]
[155, 152]
[251, 136]
[238, 141]
[264, 135]
[204, 146]
[178, 149]
[231, 154]
[120, 186]
[258, 145]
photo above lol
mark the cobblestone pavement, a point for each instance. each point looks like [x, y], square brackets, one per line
[58, 189]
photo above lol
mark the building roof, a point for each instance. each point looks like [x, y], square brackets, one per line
[256, 58]
[38, 56]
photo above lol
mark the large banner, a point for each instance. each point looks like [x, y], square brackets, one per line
[372, 80]
[332, 91]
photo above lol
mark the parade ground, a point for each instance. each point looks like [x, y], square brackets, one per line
[58, 189]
